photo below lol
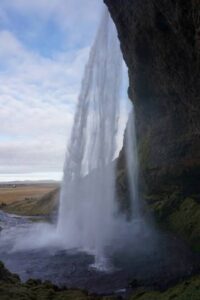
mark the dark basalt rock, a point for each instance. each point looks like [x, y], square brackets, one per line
[160, 44]
[6, 276]
[160, 41]
[12, 288]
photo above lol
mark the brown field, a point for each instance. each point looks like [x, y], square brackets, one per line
[10, 194]
[29, 199]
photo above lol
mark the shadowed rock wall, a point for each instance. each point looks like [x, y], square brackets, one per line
[160, 41]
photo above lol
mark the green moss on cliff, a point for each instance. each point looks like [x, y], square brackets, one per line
[186, 221]
[178, 214]
[188, 290]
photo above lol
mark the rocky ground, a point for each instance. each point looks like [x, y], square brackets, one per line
[12, 288]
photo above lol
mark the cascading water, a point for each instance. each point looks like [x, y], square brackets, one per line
[87, 202]
[138, 230]
[132, 165]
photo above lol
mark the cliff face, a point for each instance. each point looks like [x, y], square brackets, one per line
[160, 41]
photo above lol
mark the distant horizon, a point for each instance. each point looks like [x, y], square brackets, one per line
[30, 176]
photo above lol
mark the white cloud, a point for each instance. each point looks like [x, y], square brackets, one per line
[37, 100]
[66, 11]
[77, 18]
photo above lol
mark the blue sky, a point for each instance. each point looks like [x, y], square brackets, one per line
[44, 45]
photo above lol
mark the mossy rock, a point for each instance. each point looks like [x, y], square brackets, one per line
[12, 288]
[178, 214]
[188, 290]
[25, 292]
[186, 221]
[6, 276]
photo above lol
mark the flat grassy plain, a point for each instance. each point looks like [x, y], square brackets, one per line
[29, 198]
[10, 193]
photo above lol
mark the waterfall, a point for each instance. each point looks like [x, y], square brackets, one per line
[87, 201]
[132, 165]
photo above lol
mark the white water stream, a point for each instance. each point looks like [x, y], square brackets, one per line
[87, 202]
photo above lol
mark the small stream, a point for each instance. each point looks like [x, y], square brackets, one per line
[157, 264]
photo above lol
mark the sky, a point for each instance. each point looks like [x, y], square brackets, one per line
[44, 46]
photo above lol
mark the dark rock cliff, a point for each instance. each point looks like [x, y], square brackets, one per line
[160, 41]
